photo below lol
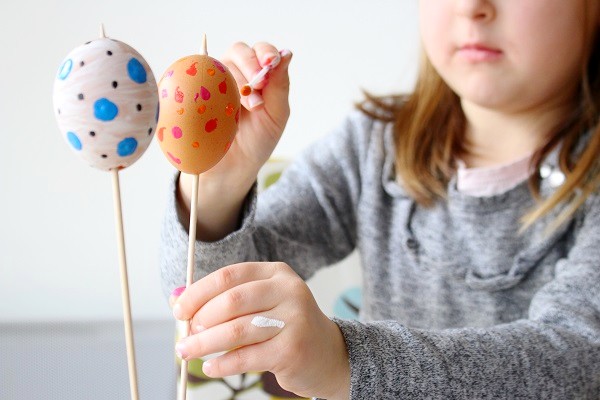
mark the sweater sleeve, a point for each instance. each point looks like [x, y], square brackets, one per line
[306, 219]
[553, 354]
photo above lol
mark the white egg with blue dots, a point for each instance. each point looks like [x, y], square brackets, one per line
[106, 103]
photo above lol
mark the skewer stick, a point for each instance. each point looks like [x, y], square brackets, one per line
[124, 286]
[190, 277]
[191, 256]
[204, 50]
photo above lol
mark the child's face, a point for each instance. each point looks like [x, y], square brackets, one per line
[506, 55]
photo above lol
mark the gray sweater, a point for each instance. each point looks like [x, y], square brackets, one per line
[456, 304]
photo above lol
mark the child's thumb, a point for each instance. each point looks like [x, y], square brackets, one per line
[279, 78]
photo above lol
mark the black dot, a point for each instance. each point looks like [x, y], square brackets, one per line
[115, 84]
[92, 133]
[150, 131]
[88, 42]
[109, 53]
[104, 156]
[139, 107]
[59, 111]
[80, 96]
[81, 64]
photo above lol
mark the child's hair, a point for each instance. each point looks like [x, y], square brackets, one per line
[429, 133]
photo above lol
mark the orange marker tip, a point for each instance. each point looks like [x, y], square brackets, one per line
[245, 90]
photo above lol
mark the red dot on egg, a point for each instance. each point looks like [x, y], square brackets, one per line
[160, 134]
[177, 132]
[175, 159]
[210, 71]
[195, 145]
[204, 93]
[219, 66]
[211, 125]
[178, 95]
[192, 69]
[201, 109]
[223, 87]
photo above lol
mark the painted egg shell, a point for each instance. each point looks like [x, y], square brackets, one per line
[106, 103]
[199, 112]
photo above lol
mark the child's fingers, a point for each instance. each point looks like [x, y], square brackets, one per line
[278, 86]
[245, 60]
[267, 55]
[250, 60]
[247, 63]
[249, 102]
[229, 335]
[243, 64]
[247, 298]
[255, 357]
[218, 282]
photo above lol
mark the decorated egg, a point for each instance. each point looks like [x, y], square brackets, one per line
[199, 113]
[106, 103]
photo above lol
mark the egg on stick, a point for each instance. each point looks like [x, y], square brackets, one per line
[197, 123]
[106, 103]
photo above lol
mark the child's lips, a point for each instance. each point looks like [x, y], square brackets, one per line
[477, 52]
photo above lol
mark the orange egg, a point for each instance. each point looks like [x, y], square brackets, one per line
[199, 113]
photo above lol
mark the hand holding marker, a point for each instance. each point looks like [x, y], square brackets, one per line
[271, 64]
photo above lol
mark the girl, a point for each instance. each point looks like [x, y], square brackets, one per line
[472, 203]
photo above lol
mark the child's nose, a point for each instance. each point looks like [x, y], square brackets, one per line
[479, 10]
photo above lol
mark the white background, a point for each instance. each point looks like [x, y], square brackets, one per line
[58, 255]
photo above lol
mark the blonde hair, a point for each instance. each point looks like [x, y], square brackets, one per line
[429, 134]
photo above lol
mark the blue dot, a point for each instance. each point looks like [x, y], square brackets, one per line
[105, 110]
[136, 71]
[65, 69]
[74, 140]
[126, 147]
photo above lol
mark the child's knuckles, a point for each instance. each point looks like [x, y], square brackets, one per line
[224, 278]
[237, 333]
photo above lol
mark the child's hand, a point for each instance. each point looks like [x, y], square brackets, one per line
[268, 316]
[264, 113]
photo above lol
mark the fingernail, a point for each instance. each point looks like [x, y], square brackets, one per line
[285, 52]
[181, 350]
[177, 291]
[255, 99]
[178, 312]
[207, 367]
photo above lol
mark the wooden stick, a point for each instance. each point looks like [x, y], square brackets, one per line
[204, 50]
[190, 276]
[191, 256]
[124, 286]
